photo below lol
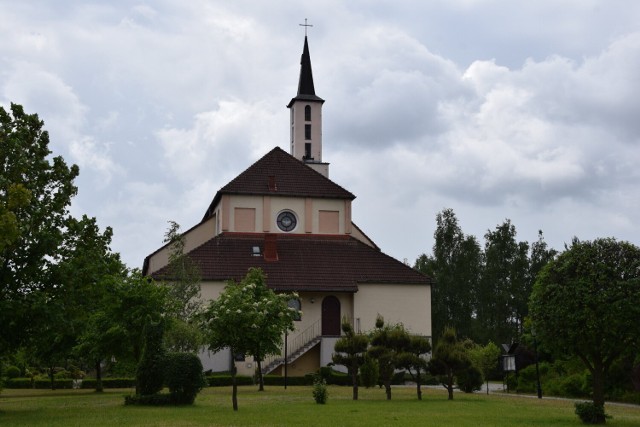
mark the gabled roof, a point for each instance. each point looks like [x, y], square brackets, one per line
[302, 262]
[306, 90]
[279, 174]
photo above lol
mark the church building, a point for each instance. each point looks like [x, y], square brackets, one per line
[285, 216]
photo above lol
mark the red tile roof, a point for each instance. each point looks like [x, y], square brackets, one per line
[279, 174]
[304, 262]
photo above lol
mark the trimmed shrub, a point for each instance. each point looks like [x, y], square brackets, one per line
[590, 413]
[469, 379]
[11, 371]
[184, 377]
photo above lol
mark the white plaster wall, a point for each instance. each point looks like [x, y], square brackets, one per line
[406, 304]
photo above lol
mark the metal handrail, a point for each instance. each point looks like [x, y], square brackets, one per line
[296, 343]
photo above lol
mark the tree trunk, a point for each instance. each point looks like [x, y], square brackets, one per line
[419, 390]
[598, 384]
[354, 381]
[260, 377]
[99, 387]
[51, 377]
[450, 384]
[234, 383]
[387, 387]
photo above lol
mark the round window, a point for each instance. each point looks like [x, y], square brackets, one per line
[287, 221]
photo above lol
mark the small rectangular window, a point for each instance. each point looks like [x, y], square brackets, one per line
[307, 131]
[307, 150]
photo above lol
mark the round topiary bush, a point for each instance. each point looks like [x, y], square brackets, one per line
[184, 377]
[12, 372]
[469, 379]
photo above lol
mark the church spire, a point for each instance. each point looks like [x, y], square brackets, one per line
[306, 118]
[305, 84]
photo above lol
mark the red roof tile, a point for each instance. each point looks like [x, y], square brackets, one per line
[303, 263]
[279, 174]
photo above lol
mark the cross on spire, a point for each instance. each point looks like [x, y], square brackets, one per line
[305, 25]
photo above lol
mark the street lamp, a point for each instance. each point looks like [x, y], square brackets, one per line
[535, 348]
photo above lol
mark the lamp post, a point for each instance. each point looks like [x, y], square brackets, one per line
[535, 348]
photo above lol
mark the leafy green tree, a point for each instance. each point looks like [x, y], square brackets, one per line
[351, 349]
[412, 359]
[35, 195]
[248, 318]
[456, 265]
[449, 358]
[503, 289]
[388, 343]
[485, 358]
[183, 281]
[115, 328]
[586, 303]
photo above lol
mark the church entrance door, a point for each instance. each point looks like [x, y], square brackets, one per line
[330, 316]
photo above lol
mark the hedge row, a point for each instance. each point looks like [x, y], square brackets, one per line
[221, 380]
[278, 380]
[87, 383]
[90, 383]
[40, 383]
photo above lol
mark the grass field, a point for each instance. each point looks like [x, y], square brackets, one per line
[295, 407]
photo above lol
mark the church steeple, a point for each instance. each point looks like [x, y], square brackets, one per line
[306, 118]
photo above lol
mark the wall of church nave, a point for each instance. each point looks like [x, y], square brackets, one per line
[193, 238]
[406, 304]
[211, 290]
[215, 362]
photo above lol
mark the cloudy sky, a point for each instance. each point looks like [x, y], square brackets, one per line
[494, 108]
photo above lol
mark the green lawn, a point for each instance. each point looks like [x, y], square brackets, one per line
[294, 406]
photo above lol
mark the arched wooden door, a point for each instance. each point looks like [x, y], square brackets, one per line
[331, 316]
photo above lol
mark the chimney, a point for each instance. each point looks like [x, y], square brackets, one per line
[270, 247]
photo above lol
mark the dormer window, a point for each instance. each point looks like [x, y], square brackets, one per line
[307, 113]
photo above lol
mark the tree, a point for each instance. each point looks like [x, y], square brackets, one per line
[183, 281]
[35, 195]
[449, 358]
[485, 358]
[149, 373]
[412, 359]
[586, 302]
[503, 290]
[248, 318]
[388, 343]
[456, 266]
[350, 351]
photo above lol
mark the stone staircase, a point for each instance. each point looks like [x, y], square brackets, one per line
[296, 347]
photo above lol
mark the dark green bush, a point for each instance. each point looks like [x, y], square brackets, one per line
[590, 413]
[11, 371]
[320, 392]
[184, 377]
[469, 379]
